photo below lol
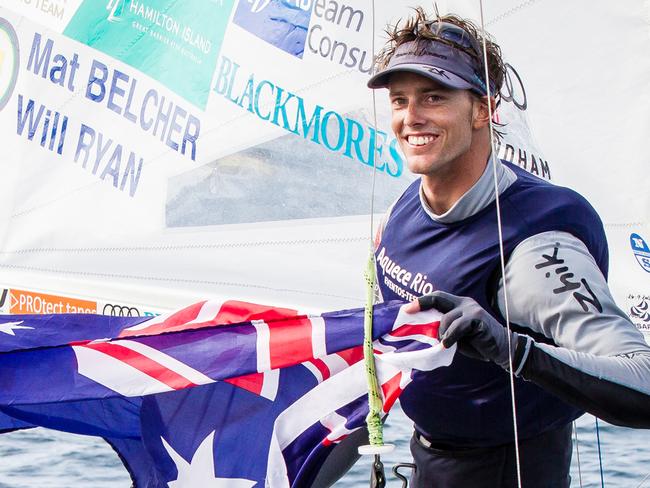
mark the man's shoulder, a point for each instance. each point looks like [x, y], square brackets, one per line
[410, 196]
[539, 206]
[542, 193]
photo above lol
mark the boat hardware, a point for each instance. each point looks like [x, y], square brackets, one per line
[396, 472]
[377, 476]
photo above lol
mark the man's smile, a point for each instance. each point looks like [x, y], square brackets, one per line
[420, 140]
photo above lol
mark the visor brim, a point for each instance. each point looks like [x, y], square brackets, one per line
[442, 76]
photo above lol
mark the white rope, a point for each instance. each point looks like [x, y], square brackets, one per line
[501, 252]
[373, 149]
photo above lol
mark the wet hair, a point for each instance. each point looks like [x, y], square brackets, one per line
[416, 27]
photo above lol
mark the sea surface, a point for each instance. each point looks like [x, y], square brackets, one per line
[39, 458]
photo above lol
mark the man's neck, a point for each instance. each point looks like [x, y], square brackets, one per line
[444, 188]
[479, 196]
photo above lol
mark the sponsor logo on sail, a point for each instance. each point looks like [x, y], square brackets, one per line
[290, 111]
[9, 61]
[29, 302]
[524, 158]
[296, 26]
[516, 146]
[281, 24]
[641, 251]
[114, 8]
[176, 43]
[120, 310]
[513, 88]
[638, 310]
[641, 311]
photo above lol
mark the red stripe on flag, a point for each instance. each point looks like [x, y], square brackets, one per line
[290, 341]
[392, 391]
[322, 367]
[352, 355]
[143, 364]
[328, 442]
[233, 312]
[175, 322]
[430, 330]
[250, 382]
[230, 312]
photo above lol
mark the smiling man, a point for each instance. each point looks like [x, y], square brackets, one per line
[576, 348]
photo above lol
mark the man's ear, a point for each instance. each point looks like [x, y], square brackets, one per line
[481, 113]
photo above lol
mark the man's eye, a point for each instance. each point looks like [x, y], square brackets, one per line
[434, 98]
[398, 102]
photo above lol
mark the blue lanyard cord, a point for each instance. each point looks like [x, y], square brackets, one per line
[600, 457]
[575, 435]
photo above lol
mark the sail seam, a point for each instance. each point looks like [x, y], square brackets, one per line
[177, 280]
[512, 11]
[225, 245]
[625, 224]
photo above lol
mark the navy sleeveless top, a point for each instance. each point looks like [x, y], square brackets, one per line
[468, 403]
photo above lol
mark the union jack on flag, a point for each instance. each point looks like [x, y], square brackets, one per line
[216, 394]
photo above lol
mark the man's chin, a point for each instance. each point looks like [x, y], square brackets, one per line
[420, 167]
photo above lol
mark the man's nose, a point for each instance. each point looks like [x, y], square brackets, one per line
[413, 115]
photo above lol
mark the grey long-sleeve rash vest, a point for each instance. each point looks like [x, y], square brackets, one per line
[600, 361]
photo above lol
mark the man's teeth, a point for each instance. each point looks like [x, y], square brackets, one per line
[420, 140]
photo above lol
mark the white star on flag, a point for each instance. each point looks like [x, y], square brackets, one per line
[200, 471]
[9, 327]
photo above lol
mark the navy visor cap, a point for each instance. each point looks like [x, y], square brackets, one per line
[438, 61]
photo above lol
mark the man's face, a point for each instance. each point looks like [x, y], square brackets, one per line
[432, 123]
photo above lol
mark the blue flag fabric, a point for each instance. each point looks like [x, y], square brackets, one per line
[217, 394]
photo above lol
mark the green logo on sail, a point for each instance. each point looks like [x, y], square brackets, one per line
[177, 43]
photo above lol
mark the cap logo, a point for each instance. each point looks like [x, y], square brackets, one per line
[437, 71]
[416, 53]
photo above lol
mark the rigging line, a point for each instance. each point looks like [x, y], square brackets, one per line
[501, 251]
[375, 407]
[575, 434]
[374, 121]
[600, 456]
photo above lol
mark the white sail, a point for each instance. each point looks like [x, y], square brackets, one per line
[225, 149]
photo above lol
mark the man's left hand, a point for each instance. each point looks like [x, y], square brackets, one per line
[477, 333]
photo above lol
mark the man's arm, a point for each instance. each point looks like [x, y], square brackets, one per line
[600, 361]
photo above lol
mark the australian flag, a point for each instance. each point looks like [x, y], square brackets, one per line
[219, 394]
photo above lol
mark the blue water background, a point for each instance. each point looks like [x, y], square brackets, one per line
[39, 458]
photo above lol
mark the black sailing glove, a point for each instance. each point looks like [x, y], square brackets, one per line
[477, 333]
